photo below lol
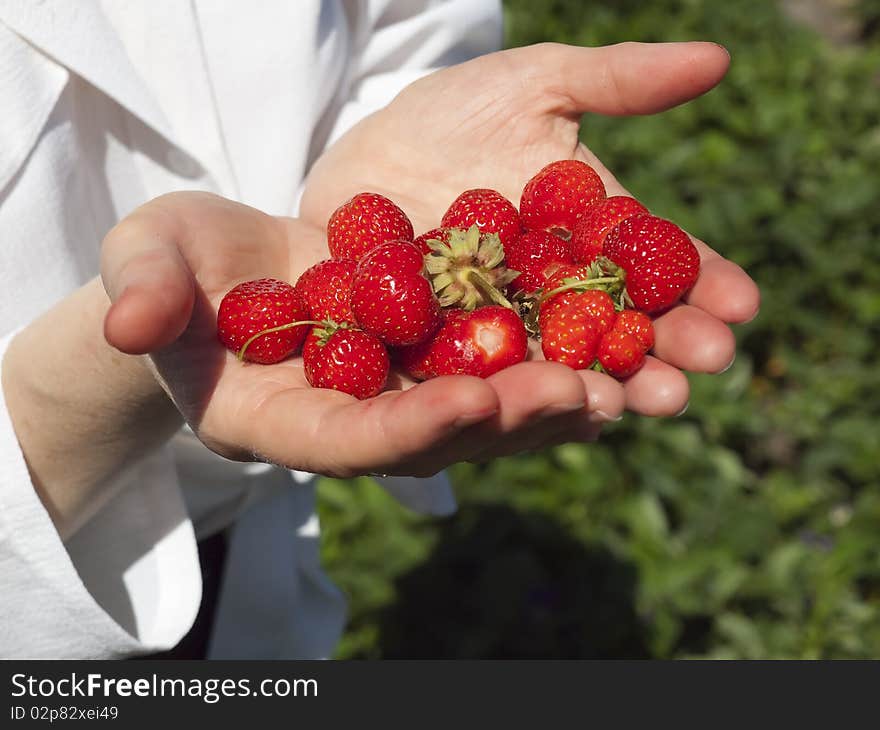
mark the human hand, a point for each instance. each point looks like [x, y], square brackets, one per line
[494, 122]
[166, 268]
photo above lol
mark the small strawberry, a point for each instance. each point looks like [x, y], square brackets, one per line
[255, 306]
[487, 209]
[596, 303]
[345, 359]
[660, 261]
[468, 270]
[435, 234]
[326, 289]
[391, 298]
[480, 343]
[589, 234]
[620, 354]
[536, 256]
[568, 272]
[364, 222]
[559, 196]
[638, 324]
[571, 336]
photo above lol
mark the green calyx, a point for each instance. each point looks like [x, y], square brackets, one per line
[469, 272]
[603, 274]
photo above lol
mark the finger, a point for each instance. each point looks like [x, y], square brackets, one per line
[690, 339]
[331, 433]
[627, 78]
[723, 289]
[553, 430]
[657, 389]
[149, 284]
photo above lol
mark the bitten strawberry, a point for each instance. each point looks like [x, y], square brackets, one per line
[660, 262]
[391, 298]
[571, 336]
[258, 305]
[364, 222]
[638, 324]
[620, 354]
[537, 255]
[345, 359]
[559, 196]
[435, 234]
[589, 234]
[326, 289]
[487, 209]
[480, 343]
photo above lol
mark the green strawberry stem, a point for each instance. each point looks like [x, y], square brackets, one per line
[280, 328]
[487, 288]
[583, 284]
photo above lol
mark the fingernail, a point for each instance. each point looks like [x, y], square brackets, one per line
[752, 318]
[728, 366]
[683, 410]
[469, 419]
[602, 417]
[557, 409]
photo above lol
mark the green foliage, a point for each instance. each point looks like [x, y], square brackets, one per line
[749, 528]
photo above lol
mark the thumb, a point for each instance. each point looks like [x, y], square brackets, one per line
[627, 78]
[150, 285]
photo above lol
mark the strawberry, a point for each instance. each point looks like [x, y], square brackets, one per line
[638, 324]
[364, 222]
[489, 210]
[480, 343]
[468, 270]
[345, 359]
[326, 289]
[596, 303]
[390, 297]
[571, 336]
[589, 234]
[559, 195]
[435, 234]
[620, 354]
[254, 306]
[660, 261]
[536, 256]
[568, 272]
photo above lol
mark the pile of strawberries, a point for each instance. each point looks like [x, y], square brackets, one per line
[573, 267]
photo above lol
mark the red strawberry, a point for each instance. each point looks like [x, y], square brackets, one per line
[536, 256]
[480, 343]
[660, 261]
[435, 234]
[326, 289]
[255, 306]
[559, 195]
[589, 234]
[620, 354]
[349, 360]
[571, 336]
[569, 271]
[364, 222]
[489, 210]
[596, 303]
[638, 324]
[391, 299]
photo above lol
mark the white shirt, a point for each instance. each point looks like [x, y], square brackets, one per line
[104, 105]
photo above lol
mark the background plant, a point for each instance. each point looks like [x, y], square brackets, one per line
[750, 527]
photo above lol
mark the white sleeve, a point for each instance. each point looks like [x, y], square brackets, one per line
[397, 42]
[127, 582]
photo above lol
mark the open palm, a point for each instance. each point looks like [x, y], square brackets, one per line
[493, 122]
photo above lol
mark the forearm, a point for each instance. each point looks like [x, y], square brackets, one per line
[81, 410]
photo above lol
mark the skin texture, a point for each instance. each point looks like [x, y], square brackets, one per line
[83, 411]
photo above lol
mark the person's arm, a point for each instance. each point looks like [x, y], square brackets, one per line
[81, 409]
